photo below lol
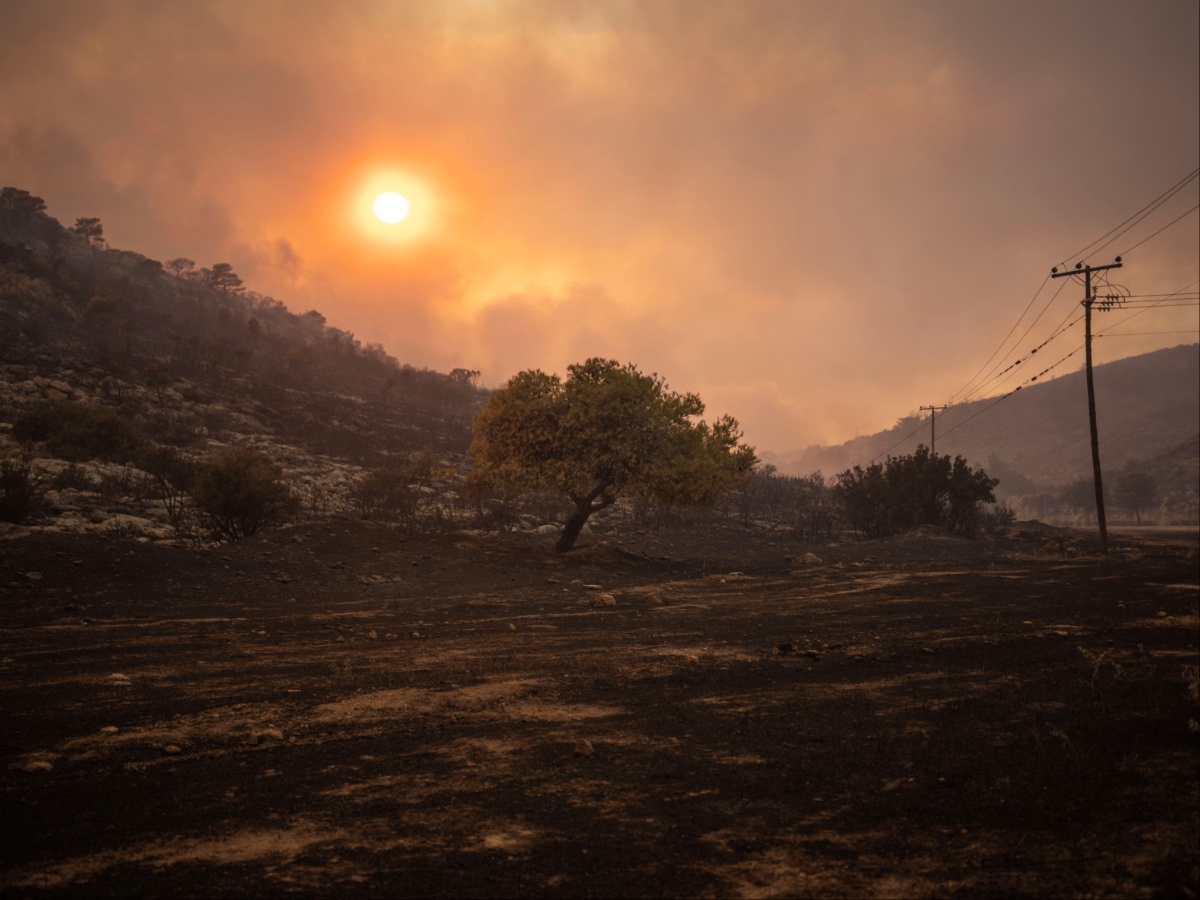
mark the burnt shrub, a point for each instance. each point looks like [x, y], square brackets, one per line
[21, 495]
[173, 477]
[77, 431]
[240, 491]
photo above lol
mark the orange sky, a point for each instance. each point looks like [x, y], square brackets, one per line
[817, 215]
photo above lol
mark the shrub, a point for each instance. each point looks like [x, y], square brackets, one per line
[77, 431]
[20, 493]
[173, 476]
[240, 492]
[919, 489]
[391, 490]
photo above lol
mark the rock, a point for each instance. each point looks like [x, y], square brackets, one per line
[810, 559]
[584, 748]
[604, 600]
[593, 587]
[109, 729]
[547, 529]
[34, 576]
[512, 627]
[372, 635]
[172, 749]
[37, 767]
[268, 734]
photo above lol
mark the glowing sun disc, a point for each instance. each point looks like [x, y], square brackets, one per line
[390, 207]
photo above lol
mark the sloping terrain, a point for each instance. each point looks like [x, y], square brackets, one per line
[1146, 406]
[339, 709]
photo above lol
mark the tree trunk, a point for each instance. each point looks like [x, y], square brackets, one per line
[571, 531]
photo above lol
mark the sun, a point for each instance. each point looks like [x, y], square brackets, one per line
[390, 208]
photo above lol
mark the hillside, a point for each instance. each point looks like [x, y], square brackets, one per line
[1148, 414]
[191, 362]
[77, 311]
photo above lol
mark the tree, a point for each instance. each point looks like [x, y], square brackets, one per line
[22, 205]
[919, 489]
[1136, 491]
[181, 266]
[1081, 495]
[465, 376]
[24, 214]
[222, 278]
[241, 492]
[91, 229]
[607, 430]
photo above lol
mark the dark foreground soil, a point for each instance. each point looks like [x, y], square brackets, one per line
[340, 710]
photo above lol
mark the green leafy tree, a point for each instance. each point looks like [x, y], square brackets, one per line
[919, 489]
[1136, 491]
[241, 492]
[606, 430]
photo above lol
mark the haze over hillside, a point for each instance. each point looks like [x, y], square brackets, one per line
[193, 356]
[1147, 406]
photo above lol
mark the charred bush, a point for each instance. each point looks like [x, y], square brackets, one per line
[240, 492]
[21, 494]
[77, 431]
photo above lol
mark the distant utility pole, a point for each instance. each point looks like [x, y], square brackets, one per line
[932, 425]
[1107, 303]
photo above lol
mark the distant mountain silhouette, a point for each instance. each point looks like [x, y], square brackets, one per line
[1147, 409]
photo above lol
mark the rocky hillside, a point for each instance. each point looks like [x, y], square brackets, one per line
[189, 360]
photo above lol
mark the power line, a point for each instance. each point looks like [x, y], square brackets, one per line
[1152, 306]
[999, 378]
[1059, 331]
[907, 437]
[1001, 399]
[1135, 218]
[964, 393]
[1006, 337]
[1161, 230]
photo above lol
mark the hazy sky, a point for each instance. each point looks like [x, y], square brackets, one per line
[817, 215]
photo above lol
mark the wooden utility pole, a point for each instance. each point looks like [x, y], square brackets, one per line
[1088, 299]
[932, 425]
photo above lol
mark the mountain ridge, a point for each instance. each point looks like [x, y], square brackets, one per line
[1147, 407]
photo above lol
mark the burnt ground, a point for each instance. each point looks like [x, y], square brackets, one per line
[341, 710]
